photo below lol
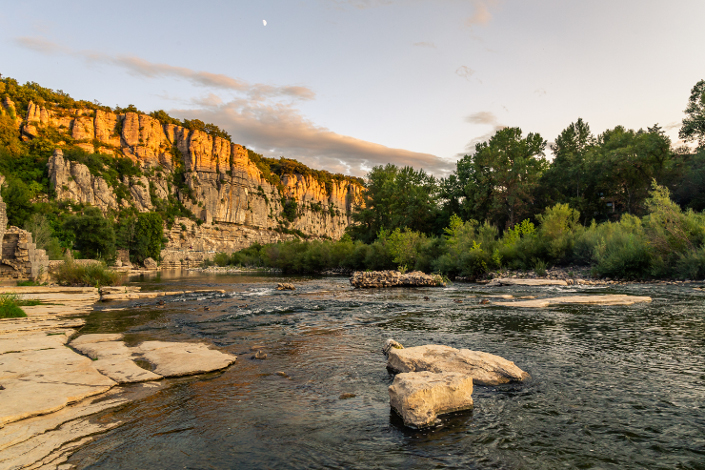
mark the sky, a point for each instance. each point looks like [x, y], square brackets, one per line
[345, 85]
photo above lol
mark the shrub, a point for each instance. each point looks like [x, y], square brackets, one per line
[9, 306]
[70, 273]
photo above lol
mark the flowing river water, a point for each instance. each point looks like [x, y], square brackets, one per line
[611, 388]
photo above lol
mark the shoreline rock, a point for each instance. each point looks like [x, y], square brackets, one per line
[376, 279]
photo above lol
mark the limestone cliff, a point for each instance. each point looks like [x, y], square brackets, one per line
[218, 181]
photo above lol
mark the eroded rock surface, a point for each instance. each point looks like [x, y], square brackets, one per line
[484, 368]
[43, 381]
[420, 397]
[373, 279]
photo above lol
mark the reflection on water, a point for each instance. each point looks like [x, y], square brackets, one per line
[612, 387]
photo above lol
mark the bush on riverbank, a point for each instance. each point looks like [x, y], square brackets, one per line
[70, 273]
[666, 243]
[10, 306]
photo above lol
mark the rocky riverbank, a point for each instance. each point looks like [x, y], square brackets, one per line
[52, 379]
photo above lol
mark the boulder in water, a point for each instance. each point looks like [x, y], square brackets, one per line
[421, 396]
[484, 368]
[285, 286]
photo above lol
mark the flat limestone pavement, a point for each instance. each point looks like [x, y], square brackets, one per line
[43, 381]
[179, 359]
[578, 299]
[484, 368]
[420, 397]
[116, 360]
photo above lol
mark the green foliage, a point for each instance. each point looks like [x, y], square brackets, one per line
[148, 237]
[404, 246]
[498, 182]
[693, 127]
[9, 306]
[17, 196]
[70, 273]
[289, 209]
[396, 197]
[43, 235]
[94, 234]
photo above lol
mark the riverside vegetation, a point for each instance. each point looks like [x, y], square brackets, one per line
[625, 202]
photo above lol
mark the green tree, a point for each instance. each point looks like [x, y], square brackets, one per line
[17, 197]
[497, 182]
[396, 198]
[148, 236]
[693, 127]
[94, 235]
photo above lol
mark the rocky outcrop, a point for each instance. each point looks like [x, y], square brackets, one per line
[484, 368]
[222, 184]
[373, 279]
[420, 397]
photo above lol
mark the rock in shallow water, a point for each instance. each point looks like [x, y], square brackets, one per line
[372, 279]
[421, 396]
[484, 368]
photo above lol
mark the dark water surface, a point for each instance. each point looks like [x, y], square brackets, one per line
[612, 387]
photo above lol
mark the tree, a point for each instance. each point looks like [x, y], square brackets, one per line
[149, 236]
[567, 178]
[497, 182]
[623, 165]
[94, 234]
[693, 127]
[396, 198]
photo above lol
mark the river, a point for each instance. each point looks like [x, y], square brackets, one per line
[611, 387]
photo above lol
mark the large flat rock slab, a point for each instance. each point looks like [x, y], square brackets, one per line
[48, 440]
[44, 381]
[420, 397]
[34, 340]
[179, 359]
[484, 368]
[526, 282]
[113, 358]
[578, 299]
[116, 360]
[39, 323]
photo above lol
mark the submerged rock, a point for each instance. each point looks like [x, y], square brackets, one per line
[526, 282]
[484, 368]
[373, 279]
[578, 299]
[420, 397]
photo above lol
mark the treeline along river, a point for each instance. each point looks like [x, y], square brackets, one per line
[611, 388]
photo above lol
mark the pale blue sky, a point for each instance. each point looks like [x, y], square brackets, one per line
[345, 85]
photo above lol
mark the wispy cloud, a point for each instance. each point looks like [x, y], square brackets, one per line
[280, 129]
[141, 67]
[465, 72]
[263, 117]
[485, 118]
[482, 14]
[425, 44]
